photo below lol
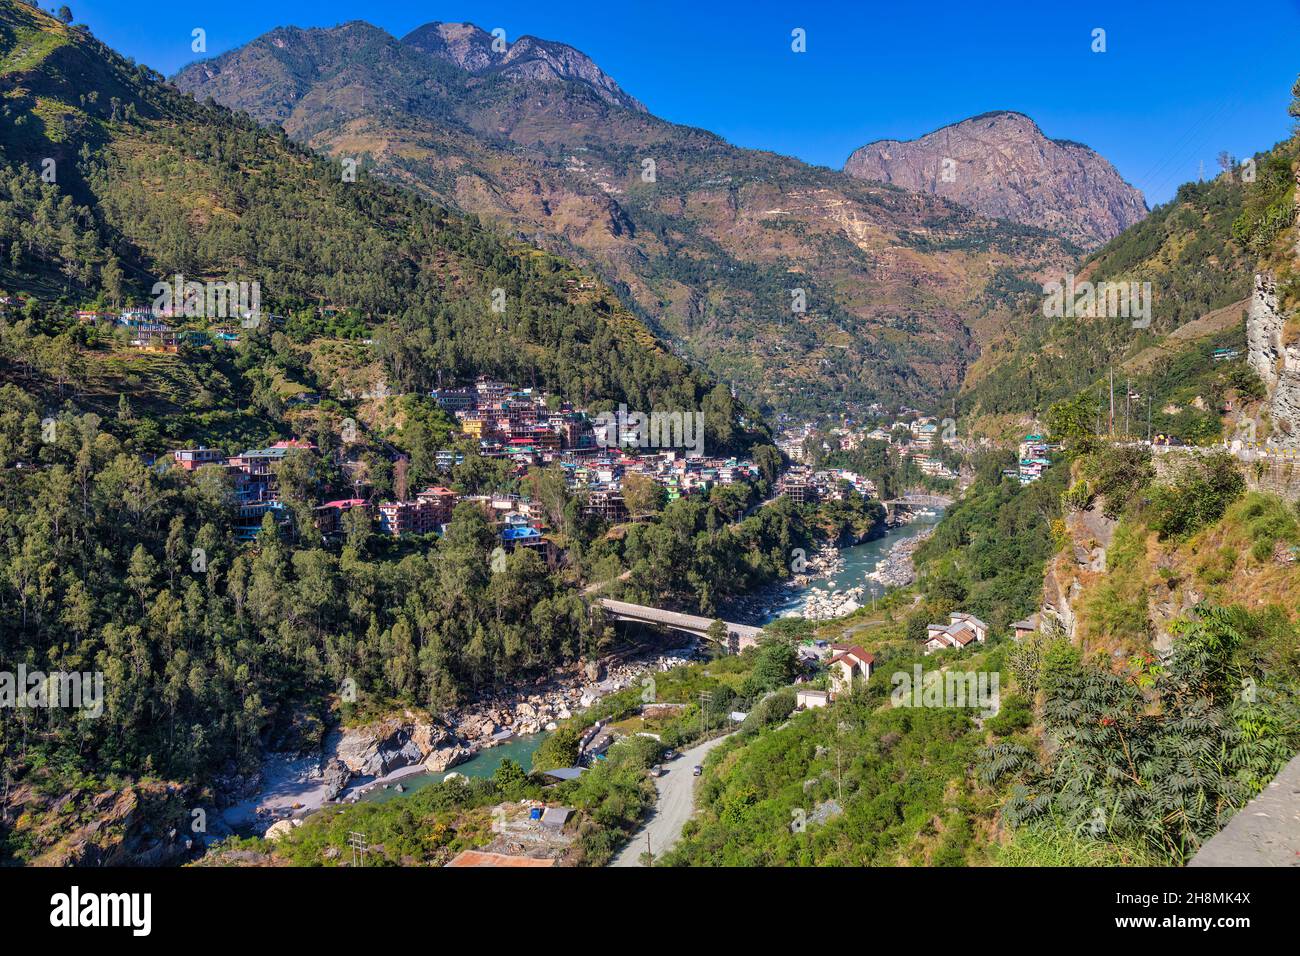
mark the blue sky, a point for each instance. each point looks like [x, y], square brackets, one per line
[1179, 81]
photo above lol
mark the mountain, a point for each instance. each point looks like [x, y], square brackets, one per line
[149, 184]
[713, 246]
[1000, 164]
[528, 58]
[1199, 252]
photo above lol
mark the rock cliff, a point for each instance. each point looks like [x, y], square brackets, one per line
[1273, 352]
[1000, 164]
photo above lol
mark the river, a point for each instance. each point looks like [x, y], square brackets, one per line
[856, 562]
[482, 764]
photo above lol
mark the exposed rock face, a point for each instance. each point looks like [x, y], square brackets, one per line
[377, 749]
[446, 757]
[337, 777]
[1002, 165]
[146, 823]
[471, 48]
[1274, 360]
[539, 142]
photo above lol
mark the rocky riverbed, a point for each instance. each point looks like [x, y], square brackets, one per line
[837, 580]
[897, 568]
[357, 759]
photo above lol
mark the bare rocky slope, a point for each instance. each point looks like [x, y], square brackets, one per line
[1000, 164]
[712, 246]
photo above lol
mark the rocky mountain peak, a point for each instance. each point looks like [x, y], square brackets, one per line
[470, 47]
[1001, 164]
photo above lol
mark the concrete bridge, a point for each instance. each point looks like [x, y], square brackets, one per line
[914, 501]
[739, 636]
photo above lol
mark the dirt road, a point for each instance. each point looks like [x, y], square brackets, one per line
[675, 805]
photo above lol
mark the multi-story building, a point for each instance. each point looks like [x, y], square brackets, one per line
[399, 518]
[607, 504]
[443, 501]
[447, 460]
[329, 516]
[455, 399]
[490, 393]
[798, 487]
[192, 458]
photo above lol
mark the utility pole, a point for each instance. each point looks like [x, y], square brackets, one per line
[705, 699]
[1148, 418]
[358, 843]
[1128, 394]
[650, 857]
[1110, 425]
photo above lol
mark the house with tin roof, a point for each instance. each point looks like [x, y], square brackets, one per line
[961, 631]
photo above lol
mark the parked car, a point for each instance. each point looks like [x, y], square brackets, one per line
[698, 770]
[656, 771]
[670, 754]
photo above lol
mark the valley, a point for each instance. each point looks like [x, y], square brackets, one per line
[416, 452]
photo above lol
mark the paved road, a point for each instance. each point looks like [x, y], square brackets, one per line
[675, 805]
[1265, 832]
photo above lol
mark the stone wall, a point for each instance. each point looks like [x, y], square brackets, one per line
[1276, 474]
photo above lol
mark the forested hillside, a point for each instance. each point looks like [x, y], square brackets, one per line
[708, 242]
[214, 651]
[148, 184]
[1199, 252]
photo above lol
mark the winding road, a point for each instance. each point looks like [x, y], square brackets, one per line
[674, 807]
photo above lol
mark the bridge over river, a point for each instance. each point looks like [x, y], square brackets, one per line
[739, 636]
[914, 502]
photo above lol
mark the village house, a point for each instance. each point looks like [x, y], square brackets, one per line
[250, 515]
[848, 663]
[1025, 628]
[962, 630]
[1035, 458]
[924, 433]
[192, 458]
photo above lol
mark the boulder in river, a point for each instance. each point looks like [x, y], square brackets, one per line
[447, 757]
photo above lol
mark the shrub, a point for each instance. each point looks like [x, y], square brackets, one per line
[1199, 495]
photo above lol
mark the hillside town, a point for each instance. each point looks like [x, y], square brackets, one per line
[524, 426]
[910, 434]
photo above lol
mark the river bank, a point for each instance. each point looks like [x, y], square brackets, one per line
[409, 750]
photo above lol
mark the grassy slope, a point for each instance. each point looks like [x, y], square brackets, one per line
[1185, 249]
